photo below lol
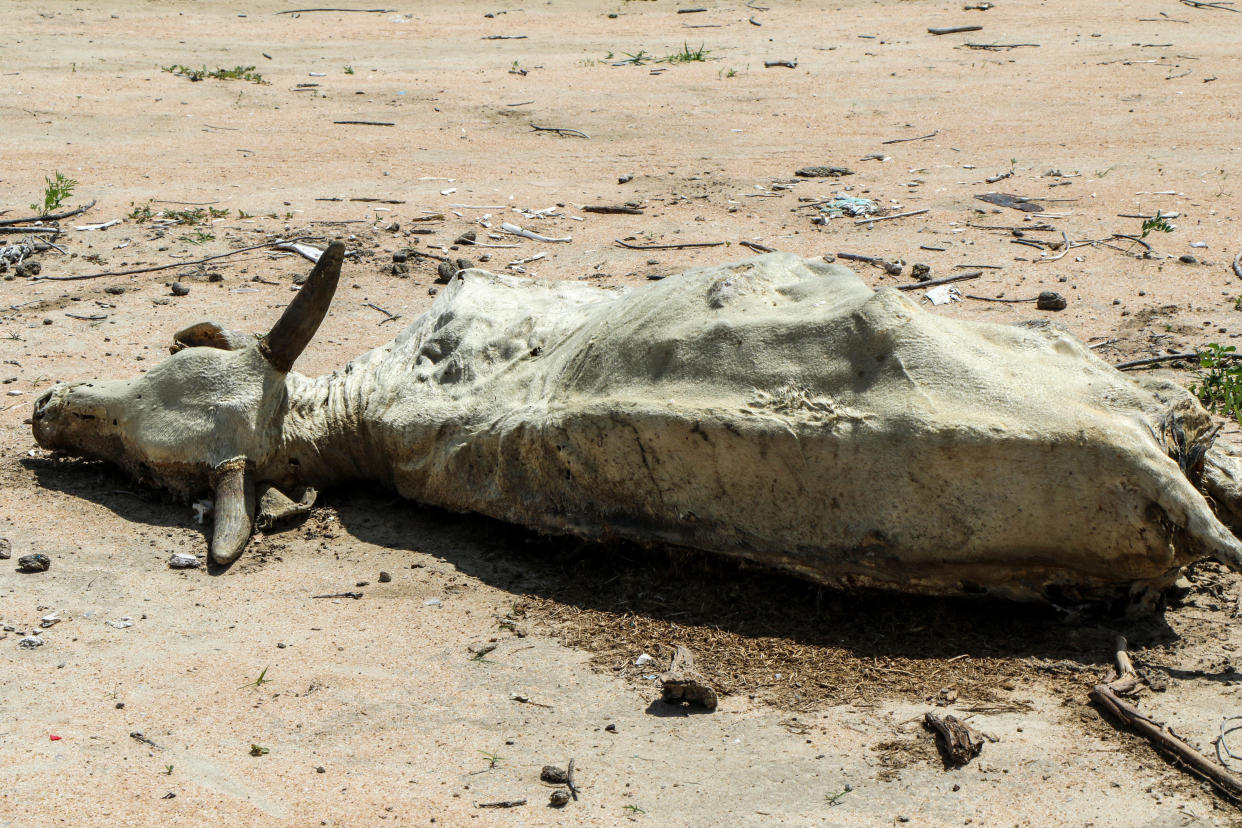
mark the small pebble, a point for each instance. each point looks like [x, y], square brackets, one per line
[120, 705]
[558, 798]
[33, 563]
[321, 769]
[611, 728]
[384, 577]
[183, 560]
[1187, 259]
[6, 549]
[553, 775]
[920, 272]
[30, 642]
[114, 290]
[625, 179]
[179, 289]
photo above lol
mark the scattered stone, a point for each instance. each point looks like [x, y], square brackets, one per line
[823, 172]
[184, 560]
[47, 321]
[321, 769]
[179, 289]
[393, 228]
[467, 237]
[1050, 300]
[553, 775]
[611, 728]
[50, 620]
[28, 269]
[34, 563]
[625, 179]
[120, 705]
[6, 549]
[114, 290]
[384, 577]
[920, 272]
[400, 255]
[30, 642]
[1187, 259]
[559, 798]
[445, 271]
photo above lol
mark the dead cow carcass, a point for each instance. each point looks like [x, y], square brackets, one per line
[776, 409]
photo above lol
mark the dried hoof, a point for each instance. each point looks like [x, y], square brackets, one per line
[275, 507]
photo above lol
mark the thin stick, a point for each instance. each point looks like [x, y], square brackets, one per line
[1195, 4]
[606, 208]
[904, 140]
[1139, 363]
[893, 216]
[666, 246]
[25, 229]
[49, 217]
[944, 280]
[944, 30]
[366, 123]
[996, 47]
[390, 316]
[757, 247]
[1159, 735]
[159, 267]
[366, 11]
[990, 299]
[577, 133]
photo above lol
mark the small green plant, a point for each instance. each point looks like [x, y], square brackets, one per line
[1156, 222]
[349, 70]
[198, 237]
[259, 682]
[730, 73]
[492, 759]
[141, 214]
[636, 59]
[168, 769]
[57, 190]
[633, 809]
[245, 73]
[242, 214]
[258, 750]
[1220, 380]
[835, 798]
[687, 55]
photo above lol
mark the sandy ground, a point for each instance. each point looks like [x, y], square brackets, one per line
[374, 710]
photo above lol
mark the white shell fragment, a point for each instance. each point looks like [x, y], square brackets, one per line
[184, 560]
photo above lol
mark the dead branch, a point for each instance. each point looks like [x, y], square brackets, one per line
[13, 230]
[1107, 696]
[666, 246]
[958, 743]
[155, 267]
[577, 133]
[366, 123]
[757, 247]
[1196, 4]
[874, 219]
[1139, 363]
[904, 140]
[365, 11]
[943, 280]
[608, 208]
[48, 217]
[944, 30]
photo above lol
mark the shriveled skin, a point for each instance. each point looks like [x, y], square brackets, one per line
[776, 409]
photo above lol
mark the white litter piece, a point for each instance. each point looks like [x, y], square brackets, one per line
[102, 226]
[121, 623]
[318, 74]
[184, 560]
[30, 642]
[643, 660]
[533, 258]
[13, 393]
[202, 508]
[304, 250]
[526, 234]
[449, 191]
[49, 620]
[432, 602]
[944, 294]
[1198, 244]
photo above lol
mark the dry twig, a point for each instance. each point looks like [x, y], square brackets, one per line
[155, 267]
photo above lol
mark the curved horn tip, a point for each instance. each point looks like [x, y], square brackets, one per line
[233, 483]
[297, 325]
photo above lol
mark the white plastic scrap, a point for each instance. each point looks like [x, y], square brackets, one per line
[121, 623]
[184, 560]
[944, 294]
[432, 602]
[643, 660]
[49, 620]
[526, 234]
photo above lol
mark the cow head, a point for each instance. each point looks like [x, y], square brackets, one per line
[206, 415]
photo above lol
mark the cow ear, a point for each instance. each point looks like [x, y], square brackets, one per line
[209, 335]
[233, 482]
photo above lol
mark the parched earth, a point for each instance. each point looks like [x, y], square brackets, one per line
[178, 698]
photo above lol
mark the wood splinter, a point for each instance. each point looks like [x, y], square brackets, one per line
[958, 743]
[1124, 681]
[683, 682]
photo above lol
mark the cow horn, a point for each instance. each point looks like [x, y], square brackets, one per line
[293, 331]
[234, 492]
